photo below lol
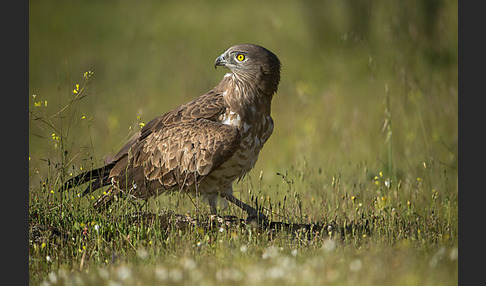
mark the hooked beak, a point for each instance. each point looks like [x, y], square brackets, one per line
[220, 61]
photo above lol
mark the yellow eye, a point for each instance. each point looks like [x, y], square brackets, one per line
[240, 57]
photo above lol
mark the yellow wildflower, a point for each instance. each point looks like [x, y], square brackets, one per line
[76, 89]
[88, 74]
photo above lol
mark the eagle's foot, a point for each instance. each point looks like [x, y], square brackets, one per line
[215, 219]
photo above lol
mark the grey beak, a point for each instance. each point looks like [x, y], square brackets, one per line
[220, 61]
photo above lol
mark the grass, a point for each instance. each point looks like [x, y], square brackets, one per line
[365, 142]
[398, 235]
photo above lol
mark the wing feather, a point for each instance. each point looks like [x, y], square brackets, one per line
[208, 106]
[176, 156]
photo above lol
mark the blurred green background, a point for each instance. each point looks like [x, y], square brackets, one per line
[337, 58]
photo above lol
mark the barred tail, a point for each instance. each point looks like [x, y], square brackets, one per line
[97, 178]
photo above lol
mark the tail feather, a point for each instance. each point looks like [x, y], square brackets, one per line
[96, 184]
[98, 178]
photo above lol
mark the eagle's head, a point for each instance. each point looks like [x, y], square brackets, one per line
[253, 65]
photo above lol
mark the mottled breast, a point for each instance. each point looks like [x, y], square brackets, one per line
[255, 131]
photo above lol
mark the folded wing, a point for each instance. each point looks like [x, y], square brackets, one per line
[175, 156]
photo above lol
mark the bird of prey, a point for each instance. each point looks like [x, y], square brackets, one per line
[202, 146]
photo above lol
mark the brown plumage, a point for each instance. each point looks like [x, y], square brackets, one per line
[203, 145]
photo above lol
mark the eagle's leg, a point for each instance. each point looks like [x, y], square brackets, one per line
[212, 200]
[212, 207]
[253, 214]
